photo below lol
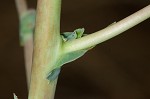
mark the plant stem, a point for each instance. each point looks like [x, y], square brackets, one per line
[28, 46]
[21, 6]
[108, 32]
[46, 48]
[28, 50]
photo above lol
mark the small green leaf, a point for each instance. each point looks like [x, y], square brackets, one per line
[64, 59]
[27, 24]
[53, 74]
[67, 57]
[69, 36]
[79, 32]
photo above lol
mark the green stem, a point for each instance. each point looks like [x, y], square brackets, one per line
[28, 49]
[21, 6]
[46, 48]
[28, 46]
[107, 33]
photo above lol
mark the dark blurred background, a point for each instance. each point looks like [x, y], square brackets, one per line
[116, 69]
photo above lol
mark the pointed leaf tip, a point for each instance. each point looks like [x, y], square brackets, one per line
[15, 97]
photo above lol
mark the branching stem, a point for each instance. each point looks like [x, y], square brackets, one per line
[108, 32]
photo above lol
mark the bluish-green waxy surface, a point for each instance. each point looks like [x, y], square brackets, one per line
[67, 57]
[27, 25]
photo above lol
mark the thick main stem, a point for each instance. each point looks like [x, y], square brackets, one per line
[46, 48]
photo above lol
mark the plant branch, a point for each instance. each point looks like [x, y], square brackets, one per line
[28, 46]
[46, 48]
[108, 32]
[28, 50]
[21, 6]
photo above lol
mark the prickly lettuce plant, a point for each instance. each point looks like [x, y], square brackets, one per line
[52, 50]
